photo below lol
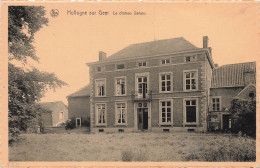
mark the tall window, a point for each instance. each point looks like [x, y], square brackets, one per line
[216, 104]
[190, 80]
[101, 113]
[120, 86]
[166, 112]
[165, 82]
[165, 61]
[121, 113]
[100, 87]
[191, 111]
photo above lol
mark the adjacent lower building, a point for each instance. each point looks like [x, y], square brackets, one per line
[79, 106]
[229, 82]
[55, 113]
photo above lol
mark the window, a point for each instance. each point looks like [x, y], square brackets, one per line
[142, 64]
[251, 94]
[165, 82]
[166, 112]
[120, 66]
[61, 116]
[165, 61]
[120, 86]
[190, 111]
[190, 80]
[190, 58]
[101, 114]
[121, 113]
[99, 69]
[216, 104]
[100, 87]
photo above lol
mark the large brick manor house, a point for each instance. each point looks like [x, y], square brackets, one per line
[165, 85]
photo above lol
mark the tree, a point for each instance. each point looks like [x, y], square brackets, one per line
[243, 114]
[26, 86]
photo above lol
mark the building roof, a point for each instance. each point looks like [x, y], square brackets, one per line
[157, 47]
[232, 75]
[85, 91]
[50, 105]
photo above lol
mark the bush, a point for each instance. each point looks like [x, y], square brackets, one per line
[225, 149]
[127, 156]
[70, 124]
[244, 117]
[86, 122]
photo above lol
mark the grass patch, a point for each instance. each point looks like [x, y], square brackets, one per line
[137, 147]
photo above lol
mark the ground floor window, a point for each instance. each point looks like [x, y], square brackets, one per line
[191, 111]
[166, 112]
[121, 116]
[101, 113]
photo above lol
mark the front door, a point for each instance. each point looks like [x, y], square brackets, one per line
[142, 112]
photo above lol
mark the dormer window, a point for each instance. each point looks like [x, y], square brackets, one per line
[190, 58]
[120, 66]
[165, 61]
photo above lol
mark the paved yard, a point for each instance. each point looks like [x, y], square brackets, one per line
[130, 147]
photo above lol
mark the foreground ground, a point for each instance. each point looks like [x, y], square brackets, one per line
[132, 147]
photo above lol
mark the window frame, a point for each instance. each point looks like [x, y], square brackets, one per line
[160, 112]
[115, 88]
[96, 114]
[102, 68]
[116, 66]
[185, 111]
[160, 82]
[116, 114]
[137, 64]
[144, 74]
[79, 122]
[196, 79]
[61, 112]
[191, 60]
[216, 97]
[96, 88]
[164, 59]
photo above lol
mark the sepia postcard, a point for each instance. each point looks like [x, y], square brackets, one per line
[129, 84]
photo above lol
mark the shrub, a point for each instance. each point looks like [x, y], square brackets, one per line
[225, 149]
[127, 156]
[244, 117]
[86, 122]
[70, 124]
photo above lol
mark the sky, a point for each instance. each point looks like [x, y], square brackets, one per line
[70, 41]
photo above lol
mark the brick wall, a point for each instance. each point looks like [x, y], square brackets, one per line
[178, 65]
[79, 107]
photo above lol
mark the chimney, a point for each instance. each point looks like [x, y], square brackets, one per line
[205, 41]
[102, 55]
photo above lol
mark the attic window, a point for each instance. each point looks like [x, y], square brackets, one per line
[98, 69]
[120, 66]
[165, 61]
[142, 64]
[190, 58]
[252, 95]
